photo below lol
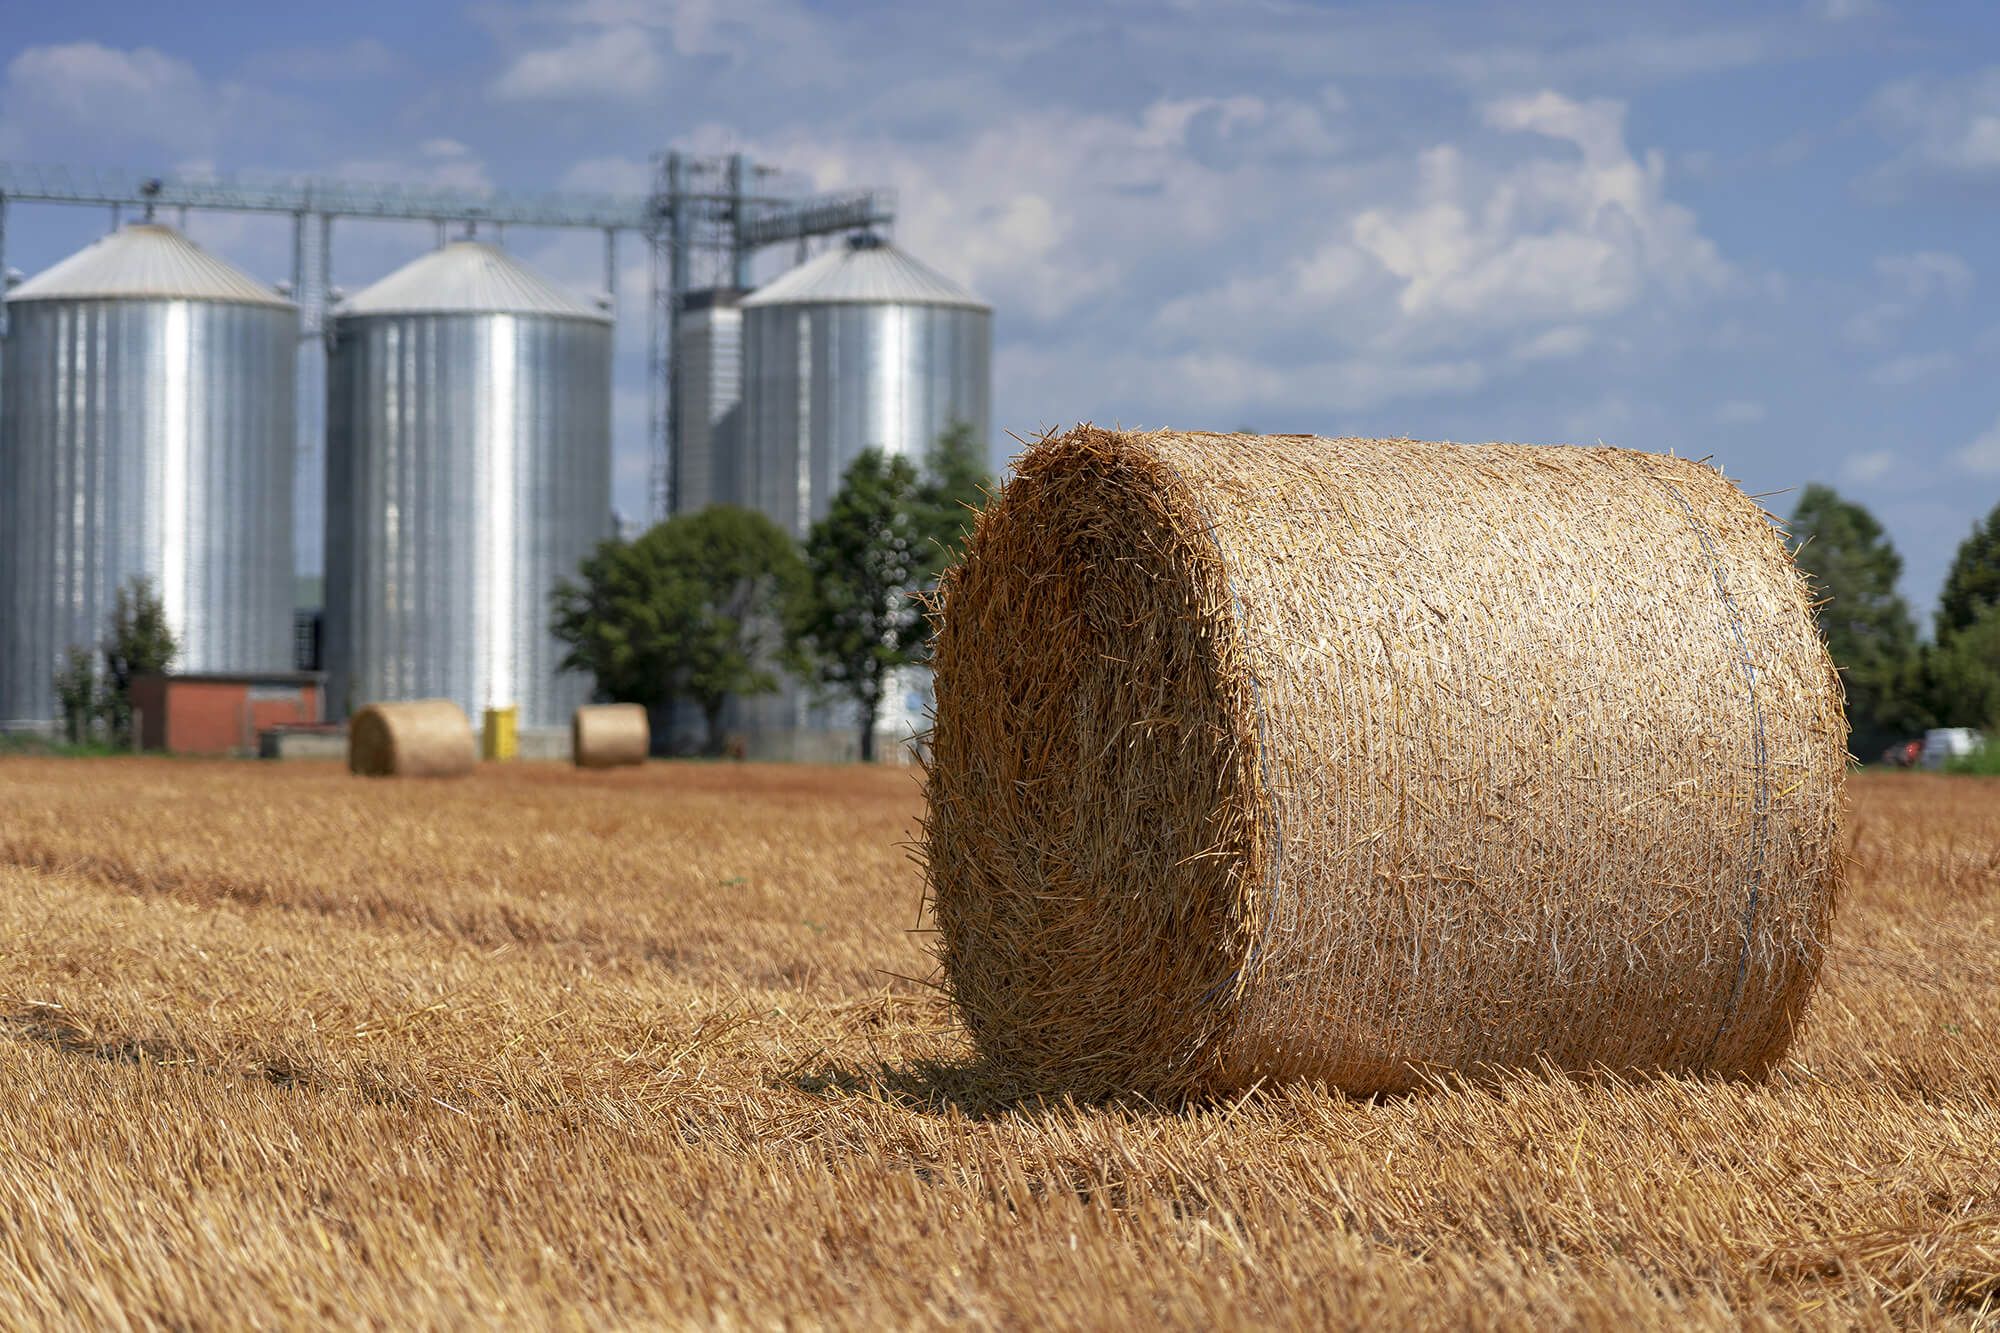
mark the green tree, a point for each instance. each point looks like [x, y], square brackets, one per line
[76, 693]
[1962, 675]
[694, 608]
[858, 617]
[621, 620]
[1868, 628]
[1973, 585]
[954, 489]
[138, 642]
[744, 572]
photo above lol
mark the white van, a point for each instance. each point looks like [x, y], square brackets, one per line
[1943, 743]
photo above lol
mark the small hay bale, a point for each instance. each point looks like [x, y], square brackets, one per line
[1352, 760]
[424, 738]
[610, 735]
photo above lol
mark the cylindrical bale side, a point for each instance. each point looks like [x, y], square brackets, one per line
[610, 735]
[1355, 760]
[424, 738]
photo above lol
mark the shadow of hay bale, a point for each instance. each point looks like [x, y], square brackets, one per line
[979, 1090]
[972, 1090]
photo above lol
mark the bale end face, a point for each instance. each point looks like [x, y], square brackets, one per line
[423, 738]
[1092, 836]
[1358, 760]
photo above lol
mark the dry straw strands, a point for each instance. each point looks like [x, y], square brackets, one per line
[1274, 758]
[546, 1052]
[609, 735]
[425, 738]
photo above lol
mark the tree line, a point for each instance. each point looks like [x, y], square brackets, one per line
[1898, 684]
[709, 606]
[715, 605]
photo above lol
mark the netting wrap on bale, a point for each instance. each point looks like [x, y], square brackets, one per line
[1356, 760]
[424, 738]
[610, 735]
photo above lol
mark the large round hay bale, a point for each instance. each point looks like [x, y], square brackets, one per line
[424, 738]
[610, 735]
[1356, 760]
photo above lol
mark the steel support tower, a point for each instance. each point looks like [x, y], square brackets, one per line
[703, 223]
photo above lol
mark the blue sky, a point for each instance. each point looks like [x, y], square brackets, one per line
[1762, 233]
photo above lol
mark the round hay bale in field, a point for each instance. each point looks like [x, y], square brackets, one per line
[610, 735]
[424, 738]
[1353, 760]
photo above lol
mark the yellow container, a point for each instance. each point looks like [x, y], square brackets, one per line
[499, 737]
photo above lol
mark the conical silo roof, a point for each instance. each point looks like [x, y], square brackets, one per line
[146, 261]
[865, 271]
[469, 278]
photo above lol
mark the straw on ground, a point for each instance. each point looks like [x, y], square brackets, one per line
[278, 1046]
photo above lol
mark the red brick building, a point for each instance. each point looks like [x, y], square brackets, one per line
[222, 713]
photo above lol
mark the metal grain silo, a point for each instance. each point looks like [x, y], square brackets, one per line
[145, 429]
[862, 347]
[708, 383]
[468, 469]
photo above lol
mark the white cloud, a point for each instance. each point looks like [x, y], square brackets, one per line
[101, 93]
[1361, 283]
[1248, 244]
[1903, 371]
[1867, 468]
[1946, 129]
[613, 62]
[1739, 412]
[610, 175]
[1297, 299]
[1844, 11]
[1215, 387]
[1226, 380]
[1247, 237]
[1556, 344]
[1983, 454]
[1620, 61]
[1926, 273]
[1871, 326]
[1908, 282]
[1054, 208]
[444, 162]
[1552, 240]
[1519, 262]
[630, 50]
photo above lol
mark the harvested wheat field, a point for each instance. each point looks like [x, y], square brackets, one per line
[652, 1046]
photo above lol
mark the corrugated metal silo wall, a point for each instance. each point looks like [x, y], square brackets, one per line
[823, 382]
[144, 438]
[708, 383]
[468, 469]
